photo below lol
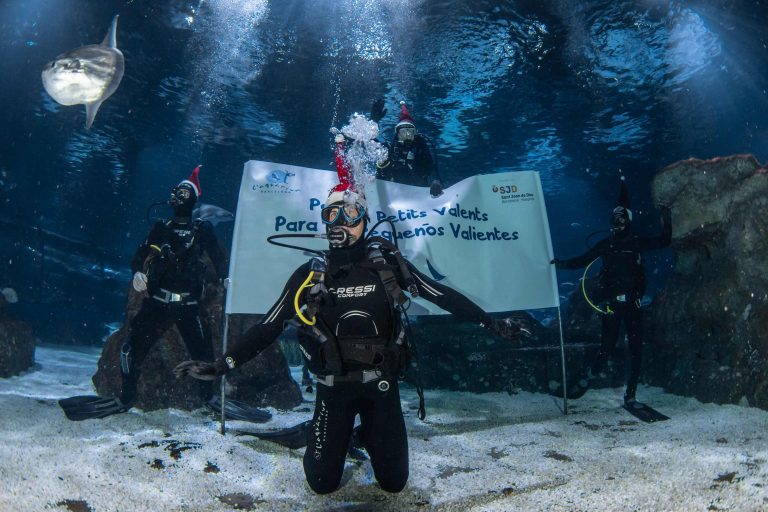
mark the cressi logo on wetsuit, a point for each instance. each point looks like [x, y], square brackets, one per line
[352, 291]
[184, 237]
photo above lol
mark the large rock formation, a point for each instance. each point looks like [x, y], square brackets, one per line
[265, 381]
[17, 346]
[707, 335]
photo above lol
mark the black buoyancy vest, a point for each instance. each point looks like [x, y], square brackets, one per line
[359, 325]
[622, 272]
[179, 266]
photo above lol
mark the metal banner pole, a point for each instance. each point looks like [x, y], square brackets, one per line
[562, 362]
[224, 377]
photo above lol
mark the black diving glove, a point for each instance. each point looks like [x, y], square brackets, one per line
[201, 370]
[436, 188]
[510, 328]
[377, 110]
[167, 255]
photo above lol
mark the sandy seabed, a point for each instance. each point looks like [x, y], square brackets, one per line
[474, 452]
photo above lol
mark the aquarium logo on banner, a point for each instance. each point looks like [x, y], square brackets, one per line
[487, 236]
[274, 182]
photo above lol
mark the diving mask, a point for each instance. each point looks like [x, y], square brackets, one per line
[180, 195]
[406, 134]
[347, 214]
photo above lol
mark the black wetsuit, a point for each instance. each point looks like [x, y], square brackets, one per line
[358, 310]
[172, 258]
[621, 285]
[409, 164]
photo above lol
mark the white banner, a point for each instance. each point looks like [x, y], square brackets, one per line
[486, 236]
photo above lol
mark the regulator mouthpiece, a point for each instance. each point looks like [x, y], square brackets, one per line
[337, 237]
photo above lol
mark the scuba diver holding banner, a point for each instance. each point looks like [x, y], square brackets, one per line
[411, 156]
[349, 302]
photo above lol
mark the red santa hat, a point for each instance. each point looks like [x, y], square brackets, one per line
[194, 182]
[405, 117]
[346, 191]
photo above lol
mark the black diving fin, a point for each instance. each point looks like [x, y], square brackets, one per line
[86, 407]
[291, 437]
[236, 410]
[296, 437]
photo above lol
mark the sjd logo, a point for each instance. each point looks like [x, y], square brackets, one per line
[505, 189]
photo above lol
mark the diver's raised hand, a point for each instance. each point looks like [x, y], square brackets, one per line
[140, 282]
[377, 110]
[436, 188]
[201, 370]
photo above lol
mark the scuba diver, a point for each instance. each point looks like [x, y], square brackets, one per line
[621, 285]
[411, 157]
[169, 267]
[356, 342]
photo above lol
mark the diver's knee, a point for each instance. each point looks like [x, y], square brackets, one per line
[393, 484]
[322, 484]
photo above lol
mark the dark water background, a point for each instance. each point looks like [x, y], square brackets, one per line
[581, 91]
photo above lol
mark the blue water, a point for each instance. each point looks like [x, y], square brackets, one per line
[581, 91]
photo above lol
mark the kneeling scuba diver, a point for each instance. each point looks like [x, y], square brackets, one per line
[351, 307]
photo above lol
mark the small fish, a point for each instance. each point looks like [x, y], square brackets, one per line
[567, 283]
[87, 75]
[10, 295]
[575, 225]
[112, 327]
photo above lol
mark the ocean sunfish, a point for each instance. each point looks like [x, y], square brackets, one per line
[87, 75]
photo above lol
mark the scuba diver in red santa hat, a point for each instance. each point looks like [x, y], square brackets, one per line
[169, 268]
[349, 303]
[411, 157]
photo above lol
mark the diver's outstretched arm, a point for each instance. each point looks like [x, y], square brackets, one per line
[512, 328]
[256, 339]
[599, 249]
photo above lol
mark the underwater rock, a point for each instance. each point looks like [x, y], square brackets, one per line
[17, 346]
[707, 334]
[265, 381]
